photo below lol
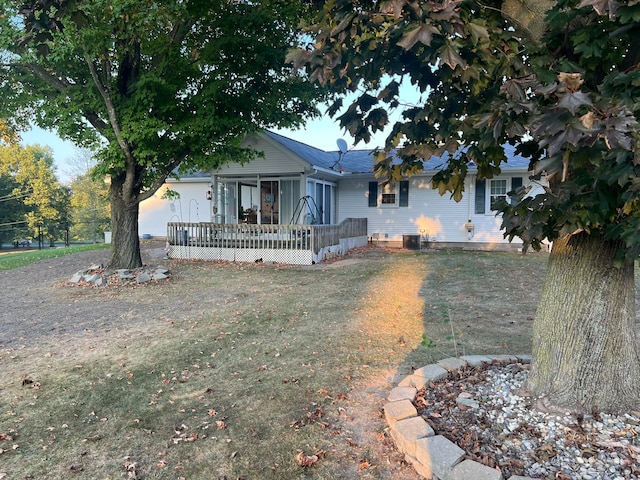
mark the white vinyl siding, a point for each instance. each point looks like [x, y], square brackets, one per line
[427, 213]
[276, 161]
[192, 206]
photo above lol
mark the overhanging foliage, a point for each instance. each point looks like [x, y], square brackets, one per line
[569, 100]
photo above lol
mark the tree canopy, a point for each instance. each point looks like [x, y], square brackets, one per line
[156, 86]
[563, 88]
[37, 203]
[12, 210]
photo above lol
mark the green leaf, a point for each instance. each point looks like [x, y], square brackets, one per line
[615, 139]
[572, 101]
[478, 32]
[422, 33]
[377, 119]
[346, 21]
[366, 101]
[335, 106]
[450, 56]
[390, 91]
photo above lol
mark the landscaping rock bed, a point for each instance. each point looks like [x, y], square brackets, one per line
[470, 420]
[97, 276]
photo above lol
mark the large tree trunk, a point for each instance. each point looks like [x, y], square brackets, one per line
[585, 339]
[125, 243]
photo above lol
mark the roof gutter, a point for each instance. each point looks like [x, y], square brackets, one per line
[327, 171]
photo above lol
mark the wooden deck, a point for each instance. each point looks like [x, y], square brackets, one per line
[296, 244]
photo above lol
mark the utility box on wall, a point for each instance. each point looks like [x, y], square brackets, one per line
[411, 242]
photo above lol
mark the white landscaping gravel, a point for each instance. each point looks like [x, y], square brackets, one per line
[564, 446]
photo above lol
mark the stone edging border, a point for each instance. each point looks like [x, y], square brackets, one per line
[434, 456]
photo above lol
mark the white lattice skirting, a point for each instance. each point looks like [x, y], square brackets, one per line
[275, 255]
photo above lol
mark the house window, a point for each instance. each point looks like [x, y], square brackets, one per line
[488, 192]
[389, 194]
[498, 191]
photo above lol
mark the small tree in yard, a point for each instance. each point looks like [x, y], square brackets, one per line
[561, 80]
[155, 85]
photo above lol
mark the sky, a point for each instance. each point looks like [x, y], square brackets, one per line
[63, 150]
[321, 133]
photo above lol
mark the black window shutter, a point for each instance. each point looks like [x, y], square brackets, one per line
[481, 185]
[516, 183]
[373, 194]
[404, 194]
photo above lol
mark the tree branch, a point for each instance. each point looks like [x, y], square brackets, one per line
[62, 86]
[41, 73]
[97, 123]
[130, 176]
[178, 34]
[153, 188]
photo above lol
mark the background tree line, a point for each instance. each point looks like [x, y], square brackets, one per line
[36, 207]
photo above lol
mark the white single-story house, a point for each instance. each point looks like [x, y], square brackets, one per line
[190, 206]
[294, 183]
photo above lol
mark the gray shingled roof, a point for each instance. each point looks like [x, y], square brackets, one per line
[361, 161]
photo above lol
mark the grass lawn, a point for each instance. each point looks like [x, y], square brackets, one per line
[291, 361]
[19, 258]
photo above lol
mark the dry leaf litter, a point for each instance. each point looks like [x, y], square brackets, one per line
[483, 411]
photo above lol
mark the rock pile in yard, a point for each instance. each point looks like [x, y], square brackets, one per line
[97, 276]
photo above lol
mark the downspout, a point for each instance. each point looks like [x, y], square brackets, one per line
[469, 197]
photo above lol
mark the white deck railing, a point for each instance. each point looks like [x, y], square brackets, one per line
[199, 240]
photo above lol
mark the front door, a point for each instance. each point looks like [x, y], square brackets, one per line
[269, 202]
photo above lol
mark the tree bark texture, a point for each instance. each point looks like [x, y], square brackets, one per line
[585, 334]
[125, 243]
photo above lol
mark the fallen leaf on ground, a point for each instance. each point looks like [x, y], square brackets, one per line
[308, 460]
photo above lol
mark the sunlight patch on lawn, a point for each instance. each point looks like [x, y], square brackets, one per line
[393, 307]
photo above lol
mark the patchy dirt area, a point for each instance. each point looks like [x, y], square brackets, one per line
[37, 304]
[32, 310]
